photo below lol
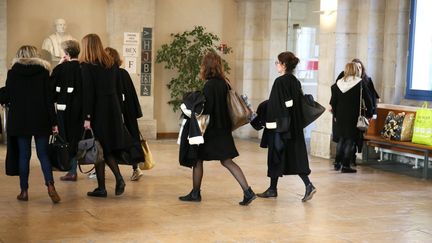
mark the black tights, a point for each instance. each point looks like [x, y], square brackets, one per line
[100, 171]
[345, 151]
[274, 181]
[235, 170]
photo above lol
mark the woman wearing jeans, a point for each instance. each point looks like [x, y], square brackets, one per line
[31, 114]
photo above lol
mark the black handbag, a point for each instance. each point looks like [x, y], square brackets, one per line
[89, 150]
[12, 154]
[59, 153]
[311, 109]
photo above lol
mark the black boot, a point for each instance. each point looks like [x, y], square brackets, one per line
[268, 193]
[120, 186]
[310, 191]
[193, 196]
[98, 192]
[347, 169]
[337, 165]
[248, 197]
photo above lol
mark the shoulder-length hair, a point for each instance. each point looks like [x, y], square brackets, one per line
[351, 69]
[115, 55]
[211, 66]
[27, 51]
[93, 52]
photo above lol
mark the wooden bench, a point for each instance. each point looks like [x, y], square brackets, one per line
[373, 136]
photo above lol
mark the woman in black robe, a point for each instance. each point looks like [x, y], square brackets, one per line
[102, 109]
[287, 154]
[131, 112]
[218, 140]
[67, 82]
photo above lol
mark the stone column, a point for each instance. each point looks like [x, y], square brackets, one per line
[394, 66]
[132, 16]
[262, 33]
[330, 40]
[3, 41]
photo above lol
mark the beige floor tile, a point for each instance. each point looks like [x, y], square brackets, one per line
[370, 206]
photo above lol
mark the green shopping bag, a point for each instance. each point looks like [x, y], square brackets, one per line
[423, 126]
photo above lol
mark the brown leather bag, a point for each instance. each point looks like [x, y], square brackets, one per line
[238, 110]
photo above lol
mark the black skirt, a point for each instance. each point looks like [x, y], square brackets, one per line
[218, 145]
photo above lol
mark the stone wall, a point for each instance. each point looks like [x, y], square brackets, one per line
[132, 16]
[375, 31]
[3, 42]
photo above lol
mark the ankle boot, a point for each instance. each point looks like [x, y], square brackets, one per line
[310, 191]
[193, 196]
[52, 193]
[23, 196]
[248, 197]
[98, 192]
[120, 186]
[268, 193]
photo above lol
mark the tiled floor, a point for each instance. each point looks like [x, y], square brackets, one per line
[370, 206]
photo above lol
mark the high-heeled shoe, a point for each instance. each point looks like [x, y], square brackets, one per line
[193, 196]
[98, 192]
[120, 186]
[248, 197]
[23, 196]
[52, 193]
[310, 191]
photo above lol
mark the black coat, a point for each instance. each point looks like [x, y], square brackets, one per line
[131, 106]
[190, 133]
[102, 106]
[218, 140]
[287, 154]
[28, 95]
[346, 106]
[131, 112]
[67, 87]
[372, 91]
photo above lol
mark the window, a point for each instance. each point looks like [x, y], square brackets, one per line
[419, 73]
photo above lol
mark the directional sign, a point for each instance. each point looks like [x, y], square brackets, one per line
[146, 61]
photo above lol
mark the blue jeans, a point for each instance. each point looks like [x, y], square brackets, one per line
[24, 148]
[74, 164]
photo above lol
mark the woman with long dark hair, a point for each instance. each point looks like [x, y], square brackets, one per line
[287, 154]
[218, 141]
[102, 109]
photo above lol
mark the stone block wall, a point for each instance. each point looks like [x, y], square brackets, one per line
[132, 16]
[3, 42]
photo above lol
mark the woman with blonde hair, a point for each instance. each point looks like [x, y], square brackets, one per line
[102, 109]
[345, 103]
[218, 140]
[31, 114]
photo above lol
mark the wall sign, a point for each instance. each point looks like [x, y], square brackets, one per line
[146, 58]
[130, 50]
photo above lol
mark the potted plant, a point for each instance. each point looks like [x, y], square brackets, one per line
[184, 55]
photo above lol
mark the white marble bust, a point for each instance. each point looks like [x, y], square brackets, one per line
[52, 44]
